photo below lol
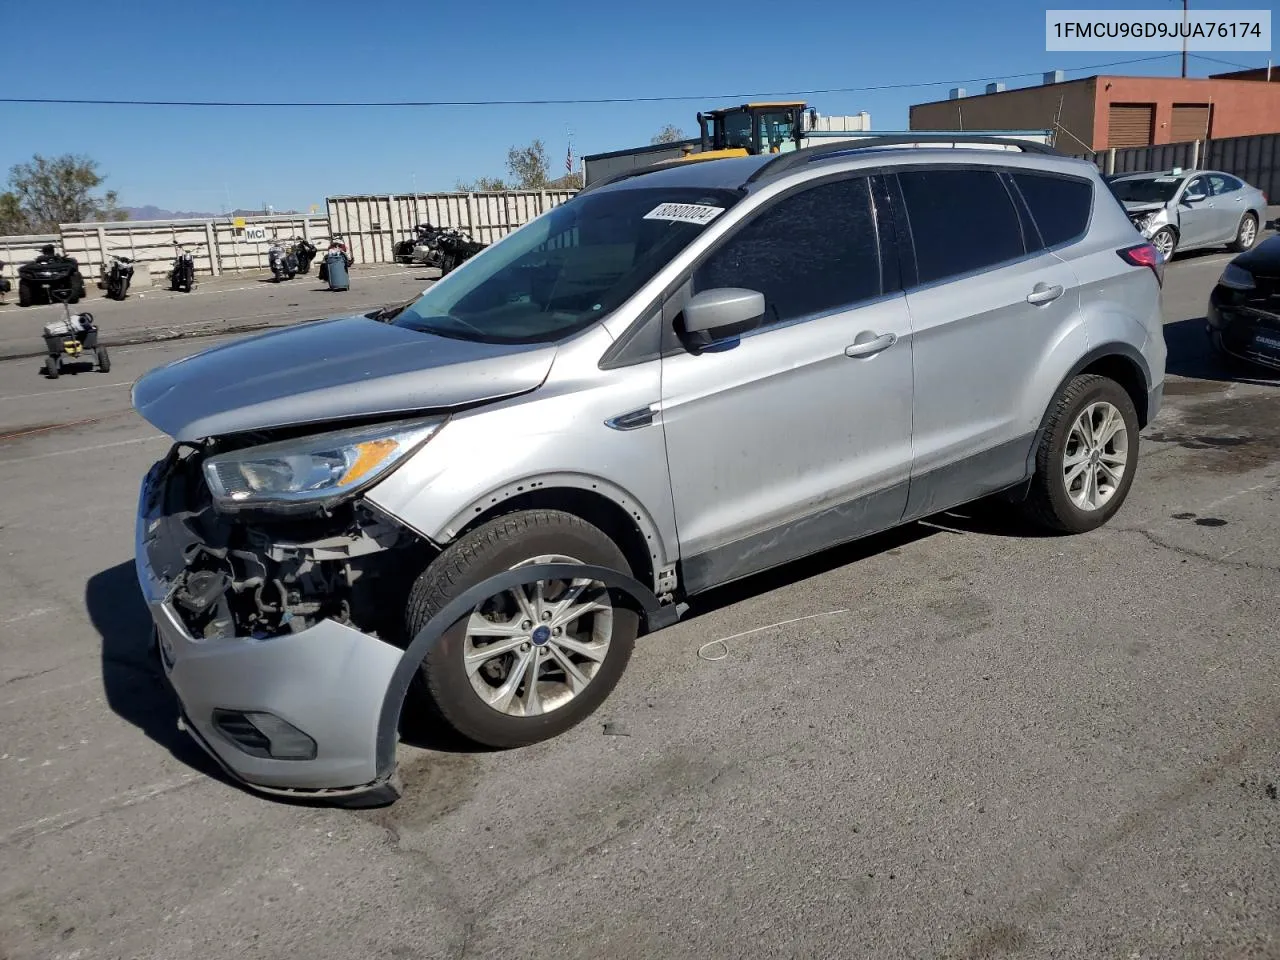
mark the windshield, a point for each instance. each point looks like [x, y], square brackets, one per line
[568, 268]
[737, 130]
[1146, 190]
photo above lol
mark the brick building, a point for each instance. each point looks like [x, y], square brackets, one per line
[1095, 113]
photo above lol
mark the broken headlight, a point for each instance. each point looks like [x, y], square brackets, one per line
[307, 472]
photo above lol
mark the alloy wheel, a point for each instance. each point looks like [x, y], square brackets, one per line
[1096, 456]
[1248, 230]
[532, 649]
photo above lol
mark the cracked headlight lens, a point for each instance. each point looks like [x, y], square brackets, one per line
[309, 471]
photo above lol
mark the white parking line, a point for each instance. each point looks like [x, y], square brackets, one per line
[47, 691]
[54, 391]
[82, 450]
[30, 614]
[70, 818]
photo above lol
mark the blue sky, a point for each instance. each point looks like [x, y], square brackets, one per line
[214, 158]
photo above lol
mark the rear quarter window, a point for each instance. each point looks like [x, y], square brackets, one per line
[1060, 206]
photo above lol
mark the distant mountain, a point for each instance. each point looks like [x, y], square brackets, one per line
[159, 213]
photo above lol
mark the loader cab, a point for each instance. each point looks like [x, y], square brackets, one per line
[753, 128]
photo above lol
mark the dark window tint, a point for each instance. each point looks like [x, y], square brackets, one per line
[812, 252]
[961, 220]
[1060, 206]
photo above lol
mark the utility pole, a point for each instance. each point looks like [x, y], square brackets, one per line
[1184, 39]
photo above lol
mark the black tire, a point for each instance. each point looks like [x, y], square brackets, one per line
[1173, 240]
[1048, 503]
[104, 360]
[1238, 245]
[51, 367]
[489, 549]
[25, 296]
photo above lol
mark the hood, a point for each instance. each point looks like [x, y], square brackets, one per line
[1263, 260]
[330, 370]
[1142, 206]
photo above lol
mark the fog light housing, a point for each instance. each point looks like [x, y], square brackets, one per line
[262, 734]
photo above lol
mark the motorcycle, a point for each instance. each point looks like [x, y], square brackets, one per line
[119, 276]
[283, 261]
[182, 276]
[50, 277]
[306, 252]
[455, 249]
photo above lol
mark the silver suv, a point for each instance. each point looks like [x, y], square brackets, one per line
[677, 379]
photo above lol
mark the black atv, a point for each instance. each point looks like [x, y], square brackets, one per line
[50, 278]
[455, 249]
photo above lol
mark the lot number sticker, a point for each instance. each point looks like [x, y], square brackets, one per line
[698, 213]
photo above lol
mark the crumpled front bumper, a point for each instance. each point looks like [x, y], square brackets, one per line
[329, 681]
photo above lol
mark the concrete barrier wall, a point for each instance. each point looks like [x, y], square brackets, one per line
[217, 245]
[372, 225]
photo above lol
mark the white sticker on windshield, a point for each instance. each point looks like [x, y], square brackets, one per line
[698, 213]
[1166, 179]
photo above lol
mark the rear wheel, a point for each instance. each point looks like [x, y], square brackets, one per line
[532, 662]
[1246, 234]
[104, 360]
[26, 296]
[1087, 457]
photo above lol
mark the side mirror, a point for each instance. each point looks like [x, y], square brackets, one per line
[721, 314]
[1193, 196]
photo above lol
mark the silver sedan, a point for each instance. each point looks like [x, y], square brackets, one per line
[1181, 210]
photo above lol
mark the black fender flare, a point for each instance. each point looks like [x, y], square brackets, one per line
[654, 616]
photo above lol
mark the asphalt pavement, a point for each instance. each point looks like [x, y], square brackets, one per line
[970, 742]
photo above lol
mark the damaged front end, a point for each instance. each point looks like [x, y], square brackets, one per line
[257, 575]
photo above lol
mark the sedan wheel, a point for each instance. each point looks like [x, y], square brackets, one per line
[1164, 241]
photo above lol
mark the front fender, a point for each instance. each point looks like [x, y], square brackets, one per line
[654, 616]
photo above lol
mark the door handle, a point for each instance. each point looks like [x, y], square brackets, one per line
[1044, 293]
[867, 344]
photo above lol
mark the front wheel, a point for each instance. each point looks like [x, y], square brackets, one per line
[1246, 234]
[1165, 241]
[533, 662]
[51, 367]
[1087, 457]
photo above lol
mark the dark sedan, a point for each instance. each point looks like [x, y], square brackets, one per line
[1244, 308]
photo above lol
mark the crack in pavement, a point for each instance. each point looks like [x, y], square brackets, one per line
[1213, 559]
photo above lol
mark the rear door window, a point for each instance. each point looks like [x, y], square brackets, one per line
[961, 221]
[1060, 206]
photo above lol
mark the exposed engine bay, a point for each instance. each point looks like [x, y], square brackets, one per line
[260, 576]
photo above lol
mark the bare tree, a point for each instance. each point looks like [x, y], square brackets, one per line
[668, 134]
[53, 190]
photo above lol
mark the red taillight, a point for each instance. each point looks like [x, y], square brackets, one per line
[1144, 255]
